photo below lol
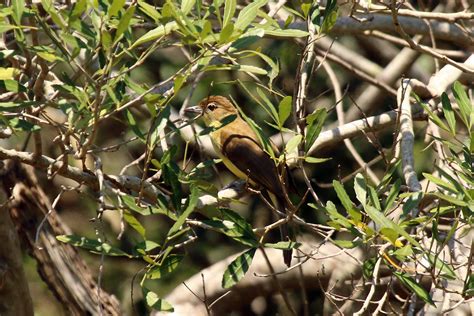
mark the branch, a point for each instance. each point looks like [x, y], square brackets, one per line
[324, 262]
[59, 265]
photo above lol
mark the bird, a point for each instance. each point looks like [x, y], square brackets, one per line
[242, 153]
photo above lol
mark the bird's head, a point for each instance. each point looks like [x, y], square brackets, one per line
[213, 109]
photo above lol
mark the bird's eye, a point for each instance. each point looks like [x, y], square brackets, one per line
[212, 106]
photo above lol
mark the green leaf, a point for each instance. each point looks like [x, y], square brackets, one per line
[225, 121]
[12, 86]
[152, 300]
[440, 182]
[285, 33]
[8, 73]
[156, 33]
[293, 143]
[246, 39]
[432, 115]
[10, 106]
[191, 205]
[134, 223]
[284, 110]
[316, 160]
[248, 14]
[168, 265]
[226, 33]
[464, 104]
[360, 189]
[229, 11]
[392, 195]
[237, 269]
[391, 235]
[146, 246]
[5, 27]
[374, 198]
[243, 68]
[18, 7]
[469, 286]
[130, 203]
[336, 216]
[149, 10]
[412, 202]
[178, 82]
[236, 227]
[23, 125]
[348, 244]
[268, 106]
[48, 6]
[404, 252]
[115, 7]
[124, 22]
[444, 267]
[342, 195]
[93, 245]
[187, 5]
[368, 268]
[5, 53]
[448, 113]
[283, 245]
[450, 199]
[384, 222]
[329, 21]
[314, 123]
[413, 286]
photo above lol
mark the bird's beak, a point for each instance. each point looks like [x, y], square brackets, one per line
[193, 110]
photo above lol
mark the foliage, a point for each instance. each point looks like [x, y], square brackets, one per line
[71, 70]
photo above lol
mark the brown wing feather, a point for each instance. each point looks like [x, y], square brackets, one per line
[247, 155]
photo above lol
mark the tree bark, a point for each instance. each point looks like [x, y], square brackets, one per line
[59, 264]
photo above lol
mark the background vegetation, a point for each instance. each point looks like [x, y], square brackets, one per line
[122, 206]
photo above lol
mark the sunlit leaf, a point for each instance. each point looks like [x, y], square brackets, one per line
[237, 269]
[187, 5]
[229, 11]
[465, 105]
[448, 112]
[190, 207]
[248, 14]
[284, 109]
[360, 189]
[168, 265]
[115, 7]
[154, 301]
[283, 245]
[93, 245]
[314, 123]
[156, 33]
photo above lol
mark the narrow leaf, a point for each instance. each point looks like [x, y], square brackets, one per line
[465, 106]
[154, 301]
[237, 269]
[342, 195]
[93, 245]
[448, 113]
[284, 110]
[360, 189]
[412, 285]
[248, 14]
[229, 11]
[191, 205]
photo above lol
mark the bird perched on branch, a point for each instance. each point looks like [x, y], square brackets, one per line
[243, 154]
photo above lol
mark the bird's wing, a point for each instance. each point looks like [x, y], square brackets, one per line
[247, 155]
